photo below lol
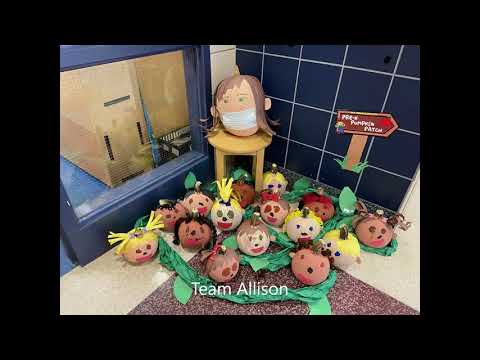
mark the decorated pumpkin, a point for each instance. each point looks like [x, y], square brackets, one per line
[342, 247]
[170, 211]
[253, 237]
[221, 263]
[139, 245]
[273, 209]
[240, 105]
[309, 266]
[194, 232]
[195, 198]
[274, 180]
[375, 230]
[319, 203]
[245, 192]
[226, 211]
[302, 226]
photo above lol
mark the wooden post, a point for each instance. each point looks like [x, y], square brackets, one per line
[355, 150]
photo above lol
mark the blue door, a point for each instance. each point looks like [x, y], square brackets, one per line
[130, 132]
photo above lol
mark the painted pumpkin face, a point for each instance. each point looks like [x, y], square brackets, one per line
[374, 232]
[199, 201]
[303, 229]
[246, 192]
[253, 240]
[194, 234]
[310, 268]
[344, 252]
[275, 185]
[325, 211]
[223, 267]
[274, 212]
[143, 249]
[226, 217]
[170, 215]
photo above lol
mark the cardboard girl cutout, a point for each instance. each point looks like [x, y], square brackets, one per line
[240, 105]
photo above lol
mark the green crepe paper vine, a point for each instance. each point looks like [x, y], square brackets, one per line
[385, 251]
[300, 188]
[174, 262]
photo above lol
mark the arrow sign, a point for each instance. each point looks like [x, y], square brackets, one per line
[362, 125]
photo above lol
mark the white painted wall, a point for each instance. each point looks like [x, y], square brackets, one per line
[222, 60]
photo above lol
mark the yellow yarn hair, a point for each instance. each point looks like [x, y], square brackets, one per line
[225, 188]
[278, 176]
[235, 204]
[349, 246]
[127, 238]
[299, 213]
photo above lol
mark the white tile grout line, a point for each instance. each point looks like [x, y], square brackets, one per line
[293, 107]
[332, 64]
[342, 156]
[333, 109]
[383, 107]
[263, 58]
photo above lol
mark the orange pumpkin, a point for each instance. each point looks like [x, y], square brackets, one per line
[309, 266]
[171, 212]
[221, 263]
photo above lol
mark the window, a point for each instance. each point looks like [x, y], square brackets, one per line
[119, 121]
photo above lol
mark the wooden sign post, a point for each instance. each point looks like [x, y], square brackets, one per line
[362, 125]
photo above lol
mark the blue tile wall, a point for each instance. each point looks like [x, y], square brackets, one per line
[327, 53]
[382, 188]
[362, 91]
[249, 63]
[287, 50]
[410, 62]
[361, 87]
[281, 111]
[309, 126]
[317, 84]
[279, 75]
[375, 57]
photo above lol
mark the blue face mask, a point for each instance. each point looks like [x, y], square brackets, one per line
[240, 120]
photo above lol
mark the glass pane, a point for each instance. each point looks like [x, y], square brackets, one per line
[119, 121]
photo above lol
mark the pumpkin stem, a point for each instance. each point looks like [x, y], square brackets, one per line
[195, 214]
[197, 186]
[255, 218]
[163, 202]
[320, 191]
[274, 168]
[305, 211]
[379, 213]
[343, 232]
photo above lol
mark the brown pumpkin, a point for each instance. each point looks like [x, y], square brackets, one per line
[194, 232]
[309, 266]
[375, 230]
[319, 203]
[221, 263]
[171, 212]
[199, 200]
[273, 209]
[253, 237]
[245, 192]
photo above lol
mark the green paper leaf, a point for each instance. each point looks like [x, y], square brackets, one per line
[357, 168]
[347, 201]
[347, 221]
[241, 173]
[258, 264]
[190, 181]
[181, 290]
[342, 163]
[301, 184]
[321, 307]
[231, 242]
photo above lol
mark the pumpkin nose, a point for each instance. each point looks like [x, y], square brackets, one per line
[271, 214]
[145, 253]
[193, 232]
[224, 218]
[200, 203]
[304, 234]
[310, 270]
